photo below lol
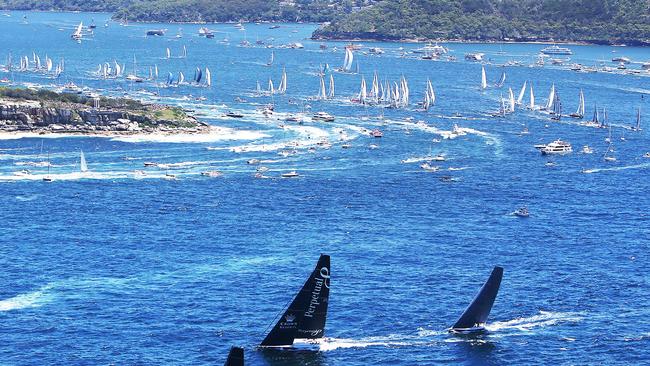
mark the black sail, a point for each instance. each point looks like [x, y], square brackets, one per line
[310, 304]
[312, 325]
[235, 357]
[479, 309]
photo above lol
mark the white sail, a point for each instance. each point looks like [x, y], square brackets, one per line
[118, 70]
[48, 64]
[520, 98]
[168, 53]
[532, 97]
[331, 92]
[184, 53]
[363, 94]
[551, 98]
[581, 104]
[511, 101]
[321, 91]
[208, 77]
[77, 33]
[258, 88]
[483, 78]
[282, 88]
[82, 163]
[271, 88]
[347, 62]
[155, 72]
[431, 93]
[404, 100]
[502, 80]
[181, 77]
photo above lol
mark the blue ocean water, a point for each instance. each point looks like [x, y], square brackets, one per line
[114, 267]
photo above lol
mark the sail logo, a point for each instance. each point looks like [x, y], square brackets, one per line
[289, 322]
[318, 287]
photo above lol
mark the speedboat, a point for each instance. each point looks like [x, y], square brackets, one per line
[429, 168]
[150, 164]
[291, 174]
[521, 212]
[376, 133]
[212, 173]
[621, 59]
[376, 50]
[557, 147]
[646, 155]
[587, 150]
[323, 116]
[556, 50]
[477, 57]
[234, 115]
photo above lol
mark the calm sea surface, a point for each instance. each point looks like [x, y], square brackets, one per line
[117, 267]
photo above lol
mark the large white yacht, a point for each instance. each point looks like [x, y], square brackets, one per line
[556, 50]
[557, 147]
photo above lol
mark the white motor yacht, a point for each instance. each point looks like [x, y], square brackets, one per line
[557, 147]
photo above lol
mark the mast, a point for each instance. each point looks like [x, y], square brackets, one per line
[638, 119]
[532, 97]
[331, 92]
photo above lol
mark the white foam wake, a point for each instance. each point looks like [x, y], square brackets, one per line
[543, 319]
[28, 300]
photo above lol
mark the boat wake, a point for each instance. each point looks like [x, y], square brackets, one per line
[393, 340]
[29, 300]
[216, 134]
[543, 319]
[617, 168]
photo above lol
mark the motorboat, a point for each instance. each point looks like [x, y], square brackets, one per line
[376, 50]
[156, 32]
[556, 50]
[477, 57]
[376, 133]
[429, 168]
[212, 173]
[646, 155]
[587, 150]
[557, 147]
[291, 174]
[323, 116]
[521, 212]
[234, 115]
[150, 164]
[624, 60]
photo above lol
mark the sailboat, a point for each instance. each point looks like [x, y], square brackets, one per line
[134, 77]
[520, 98]
[580, 113]
[47, 178]
[305, 317]
[532, 98]
[361, 97]
[322, 94]
[429, 96]
[271, 88]
[483, 78]
[208, 77]
[184, 52]
[511, 101]
[271, 60]
[235, 357]
[347, 61]
[330, 94]
[282, 88]
[551, 98]
[502, 80]
[475, 316]
[557, 108]
[83, 166]
[168, 53]
[77, 33]
[637, 127]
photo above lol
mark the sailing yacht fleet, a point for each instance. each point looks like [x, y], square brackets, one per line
[301, 325]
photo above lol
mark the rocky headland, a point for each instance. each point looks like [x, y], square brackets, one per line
[48, 112]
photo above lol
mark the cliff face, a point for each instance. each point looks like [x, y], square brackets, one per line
[34, 117]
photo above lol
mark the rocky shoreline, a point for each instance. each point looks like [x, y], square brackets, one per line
[51, 117]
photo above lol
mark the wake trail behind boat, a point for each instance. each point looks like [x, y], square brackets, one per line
[28, 300]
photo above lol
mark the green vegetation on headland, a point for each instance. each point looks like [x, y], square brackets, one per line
[46, 111]
[592, 21]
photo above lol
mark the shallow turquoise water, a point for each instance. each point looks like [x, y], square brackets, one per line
[129, 269]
